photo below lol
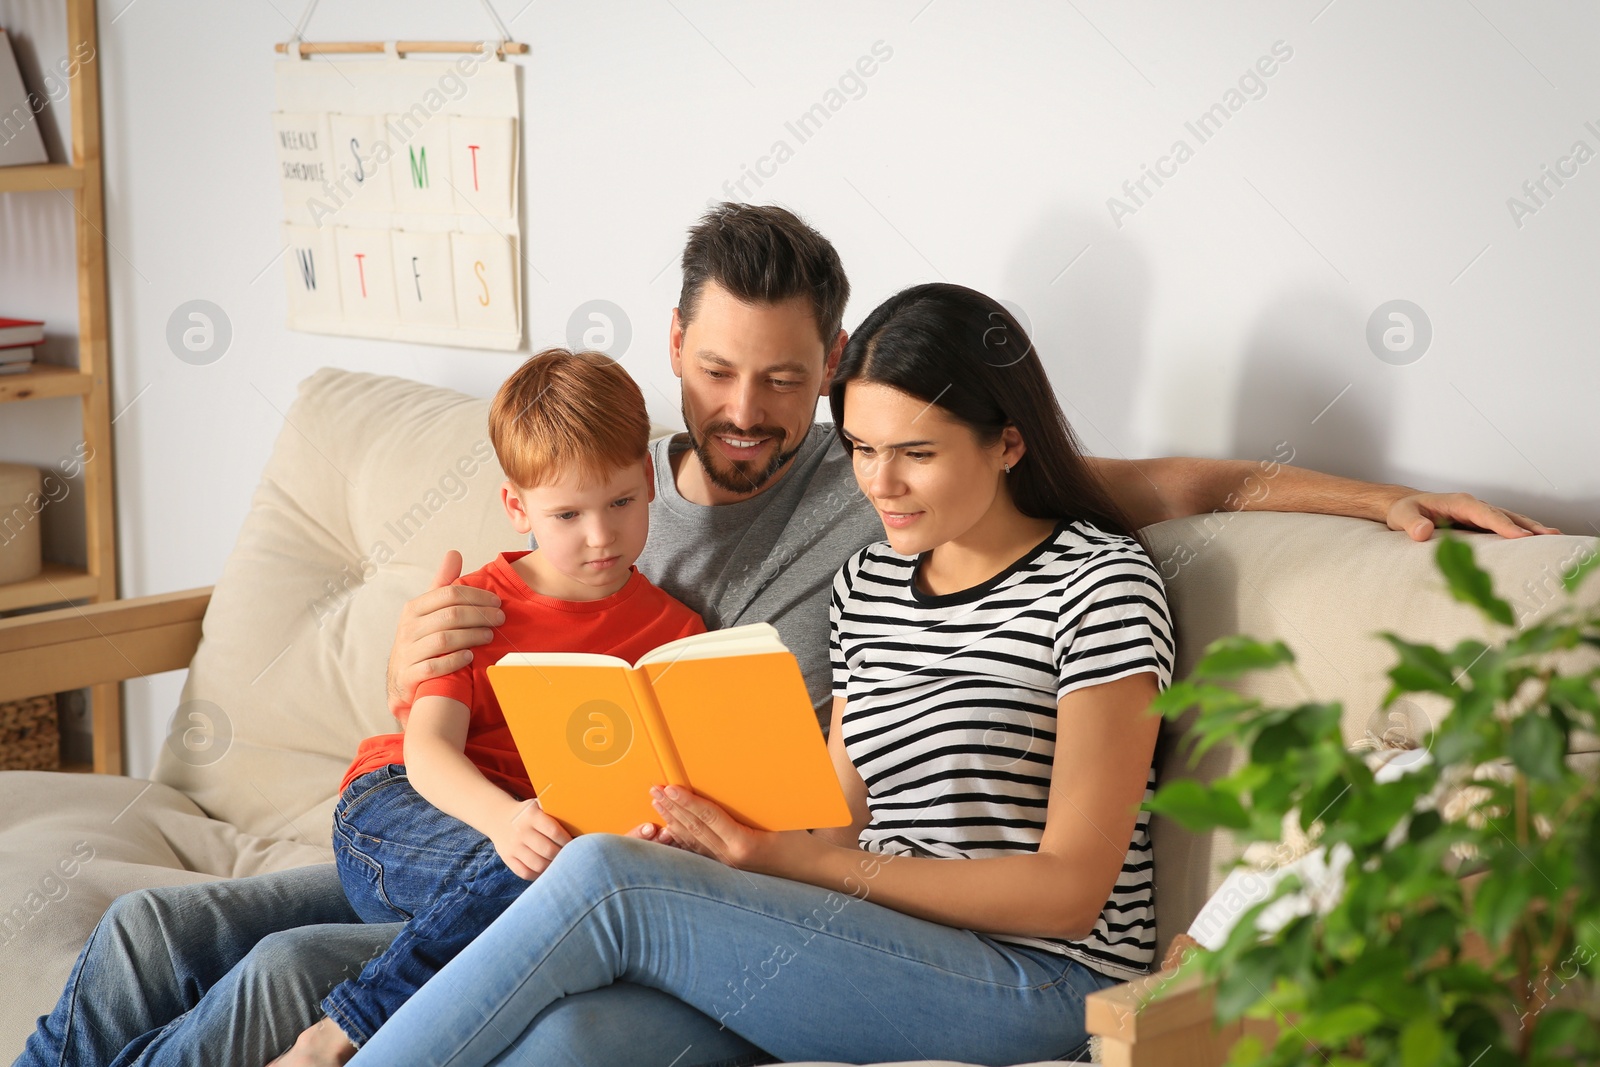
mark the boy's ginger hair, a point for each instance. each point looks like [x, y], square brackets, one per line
[565, 411]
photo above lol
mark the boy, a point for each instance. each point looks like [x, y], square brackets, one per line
[438, 826]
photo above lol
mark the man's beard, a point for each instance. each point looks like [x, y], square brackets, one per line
[733, 475]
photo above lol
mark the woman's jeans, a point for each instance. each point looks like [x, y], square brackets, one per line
[402, 859]
[799, 971]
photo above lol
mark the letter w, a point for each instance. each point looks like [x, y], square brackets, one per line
[308, 267]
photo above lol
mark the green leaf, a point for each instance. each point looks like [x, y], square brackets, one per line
[1498, 905]
[1422, 668]
[1277, 741]
[1468, 978]
[1342, 1023]
[1423, 1044]
[1457, 744]
[1248, 1051]
[1561, 1027]
[1588, 853]
[1537, 747]
[1581, 692]
[1541, 638]
[1246, 982]
[1197, 807]
[1424, 824]
[1587, 564]
[1230, 657]
[1470, 583]
[1430, 932]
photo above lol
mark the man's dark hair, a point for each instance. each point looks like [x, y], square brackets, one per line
[764, 255]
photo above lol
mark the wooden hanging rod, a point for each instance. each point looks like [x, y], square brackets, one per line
[313, 47]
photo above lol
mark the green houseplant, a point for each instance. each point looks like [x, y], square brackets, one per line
[1466, 930]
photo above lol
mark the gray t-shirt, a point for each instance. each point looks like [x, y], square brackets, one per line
[771, 558]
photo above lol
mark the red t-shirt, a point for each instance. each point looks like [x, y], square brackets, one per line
[626, 624]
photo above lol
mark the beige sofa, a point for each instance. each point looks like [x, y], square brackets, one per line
[371, 480]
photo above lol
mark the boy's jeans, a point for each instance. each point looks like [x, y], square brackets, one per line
[401, 858]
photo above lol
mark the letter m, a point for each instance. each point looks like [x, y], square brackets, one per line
[419, 166]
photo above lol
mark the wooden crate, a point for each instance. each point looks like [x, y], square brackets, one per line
[30, 738]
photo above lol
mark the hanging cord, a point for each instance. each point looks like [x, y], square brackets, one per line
[305, 19]
[505, 31]
[311, 6]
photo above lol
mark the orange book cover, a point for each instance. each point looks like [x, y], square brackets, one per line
[725, 713]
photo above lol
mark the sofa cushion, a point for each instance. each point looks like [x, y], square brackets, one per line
[371, 480]
[71, 843]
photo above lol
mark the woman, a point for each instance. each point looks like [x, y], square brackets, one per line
[993, 665]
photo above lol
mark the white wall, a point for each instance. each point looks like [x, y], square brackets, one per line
[1224, 314]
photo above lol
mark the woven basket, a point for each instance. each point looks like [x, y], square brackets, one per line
[30, 739]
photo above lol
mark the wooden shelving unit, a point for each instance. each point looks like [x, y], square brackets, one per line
[90, 381]
[41, 177]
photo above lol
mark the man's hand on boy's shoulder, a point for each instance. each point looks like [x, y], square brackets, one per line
[1418, 514]
[437, 631]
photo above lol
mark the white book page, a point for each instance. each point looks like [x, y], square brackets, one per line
[557, 659]
[753, 639]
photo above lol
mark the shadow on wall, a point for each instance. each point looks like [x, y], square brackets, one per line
[1085, 294]
[1308, 378]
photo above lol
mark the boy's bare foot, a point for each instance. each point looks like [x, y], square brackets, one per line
[319, 1045]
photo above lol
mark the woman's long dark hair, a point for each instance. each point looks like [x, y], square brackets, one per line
[964, 353]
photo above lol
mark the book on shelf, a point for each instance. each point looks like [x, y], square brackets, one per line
[16, 354]
[725, 713]
[20, 332]
[21, 143]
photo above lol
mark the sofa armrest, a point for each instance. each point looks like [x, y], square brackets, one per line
[110, 642]
[1165, 1019]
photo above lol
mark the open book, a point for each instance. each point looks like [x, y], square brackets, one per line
[725, 713]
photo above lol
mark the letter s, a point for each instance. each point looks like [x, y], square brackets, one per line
[355, 153]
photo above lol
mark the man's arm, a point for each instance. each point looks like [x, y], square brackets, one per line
[1174, 487]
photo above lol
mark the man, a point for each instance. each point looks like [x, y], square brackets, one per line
[756, 508]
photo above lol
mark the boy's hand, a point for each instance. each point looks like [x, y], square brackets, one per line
[529, 840]
[436, 632]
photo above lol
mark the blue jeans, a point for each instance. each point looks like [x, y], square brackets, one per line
[206, 973]
[230, 972]
[402, 859]
[800, 971]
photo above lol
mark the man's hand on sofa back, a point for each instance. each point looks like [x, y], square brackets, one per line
[437, 632]
[1418, 513]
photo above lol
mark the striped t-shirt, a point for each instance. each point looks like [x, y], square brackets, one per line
[951, 700]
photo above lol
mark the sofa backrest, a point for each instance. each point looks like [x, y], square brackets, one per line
[1325, 586]
[373, 478]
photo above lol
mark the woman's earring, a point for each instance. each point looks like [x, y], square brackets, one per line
[1007, 468]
